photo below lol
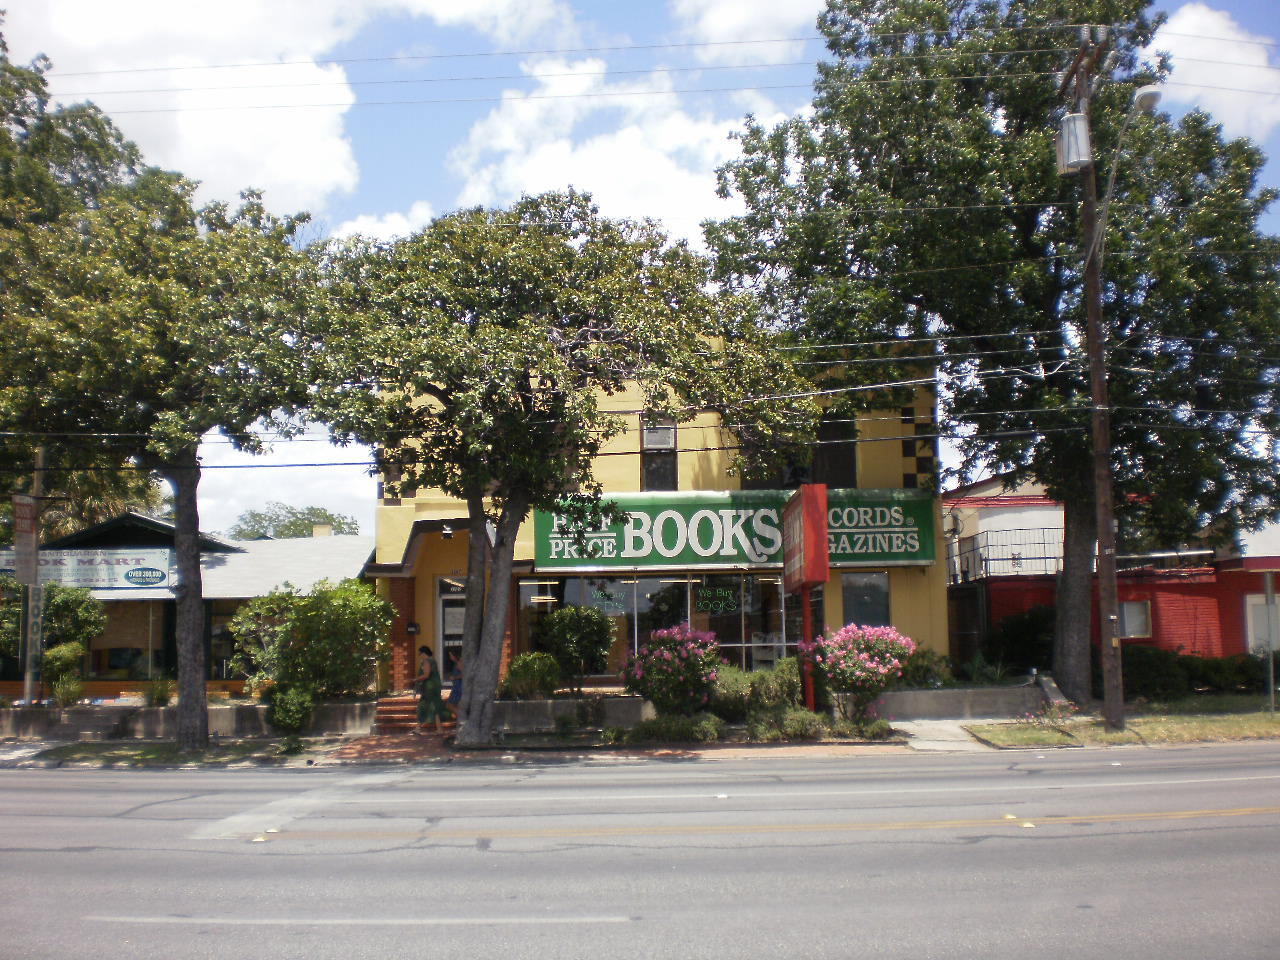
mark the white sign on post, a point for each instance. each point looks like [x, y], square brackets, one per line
[35, 616]
[101, 569]
[24, 540]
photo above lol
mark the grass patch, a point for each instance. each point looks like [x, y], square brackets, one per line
[1139, 728]
[1021, 735]
[1204, 729]
[1203, 703]
[164, 753]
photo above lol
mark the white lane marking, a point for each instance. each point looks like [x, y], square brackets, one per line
[271, 817]
[357, 921]
[510, 796]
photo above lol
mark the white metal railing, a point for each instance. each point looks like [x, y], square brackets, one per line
[995, 553]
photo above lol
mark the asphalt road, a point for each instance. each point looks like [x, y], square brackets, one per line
[1121, 853]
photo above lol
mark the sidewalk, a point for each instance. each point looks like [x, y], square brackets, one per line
[942, 736]
[929, 736]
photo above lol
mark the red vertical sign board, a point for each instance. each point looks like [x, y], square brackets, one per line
[804, 538]
[24, 540]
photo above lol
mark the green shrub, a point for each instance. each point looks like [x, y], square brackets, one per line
[160, 691]
[1153, 674]
[290, 709]
[858, 662]
[62, 660]
[1235, 674]
[531, 676]
[765, 727]
[71, 615]
[579, 638]
[675, 670]
[672, 728]
[924, 670]
[1022, 640]
[980, 670]
[327, 640]
[801, 724]
[875, 729]
[778, 688]
[67, 689]
[731, 694]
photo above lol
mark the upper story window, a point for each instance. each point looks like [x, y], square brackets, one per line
[835, 460]
[658, 454]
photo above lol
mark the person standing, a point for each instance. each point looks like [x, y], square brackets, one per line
[454, 703]
[430, 706]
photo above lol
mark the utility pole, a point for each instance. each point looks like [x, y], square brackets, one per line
[33, 594]
[1079, 80]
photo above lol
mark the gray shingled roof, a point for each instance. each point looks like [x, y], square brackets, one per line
[264, 565]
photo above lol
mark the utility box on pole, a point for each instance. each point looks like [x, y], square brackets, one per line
[1075, 151]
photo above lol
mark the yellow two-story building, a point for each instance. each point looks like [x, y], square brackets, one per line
[696, 546]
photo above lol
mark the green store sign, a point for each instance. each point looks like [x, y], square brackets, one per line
[735, 529]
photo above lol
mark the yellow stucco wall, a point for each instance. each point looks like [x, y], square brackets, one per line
[918, 604]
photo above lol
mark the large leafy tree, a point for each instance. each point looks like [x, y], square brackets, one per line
[480, 355]
[920, 199]
[282, 521]
[145, 323]
[71, 615]
[56, 162]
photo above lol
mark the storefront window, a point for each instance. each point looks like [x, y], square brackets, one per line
[615, 598]
[795, 618]
[866, 598]
[718, 607]
[661, 602]
[745, 612]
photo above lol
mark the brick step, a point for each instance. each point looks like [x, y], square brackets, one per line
[396, 714]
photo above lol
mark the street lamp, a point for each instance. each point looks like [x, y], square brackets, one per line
[1144, 101]
[1075, 154]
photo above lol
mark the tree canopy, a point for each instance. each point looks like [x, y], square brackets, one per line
[281, 521]
[920, 200]
[134, 323]
[480, 357]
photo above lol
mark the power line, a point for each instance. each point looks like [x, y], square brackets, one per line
[438, 101]
[693, 44]
[937, 55]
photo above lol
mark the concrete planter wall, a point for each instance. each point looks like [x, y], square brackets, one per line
[961, 703]
[160, 723]
[510, 716]
[545, 716]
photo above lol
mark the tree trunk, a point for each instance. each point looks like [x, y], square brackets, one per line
[1072, 653]
[475, 724]
[478, 558]
[193, 712]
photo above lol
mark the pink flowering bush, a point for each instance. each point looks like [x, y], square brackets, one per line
[675, 671]
[859, 662]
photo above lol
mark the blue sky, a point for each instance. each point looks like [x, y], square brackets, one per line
[376, 115]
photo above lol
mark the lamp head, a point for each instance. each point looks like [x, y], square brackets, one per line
[1146, 98]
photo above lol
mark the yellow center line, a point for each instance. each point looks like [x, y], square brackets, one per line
[473, 833]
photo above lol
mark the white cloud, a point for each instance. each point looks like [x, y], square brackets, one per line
[507, 21]
[239, 481]
[632, 145]
[387, 226]
[726, 23]
[279, 128]
[1216, 63]
[300, 157]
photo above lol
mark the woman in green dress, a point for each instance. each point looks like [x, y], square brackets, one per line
[430, 706]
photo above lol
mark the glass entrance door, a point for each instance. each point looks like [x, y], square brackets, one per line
[451, 608]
